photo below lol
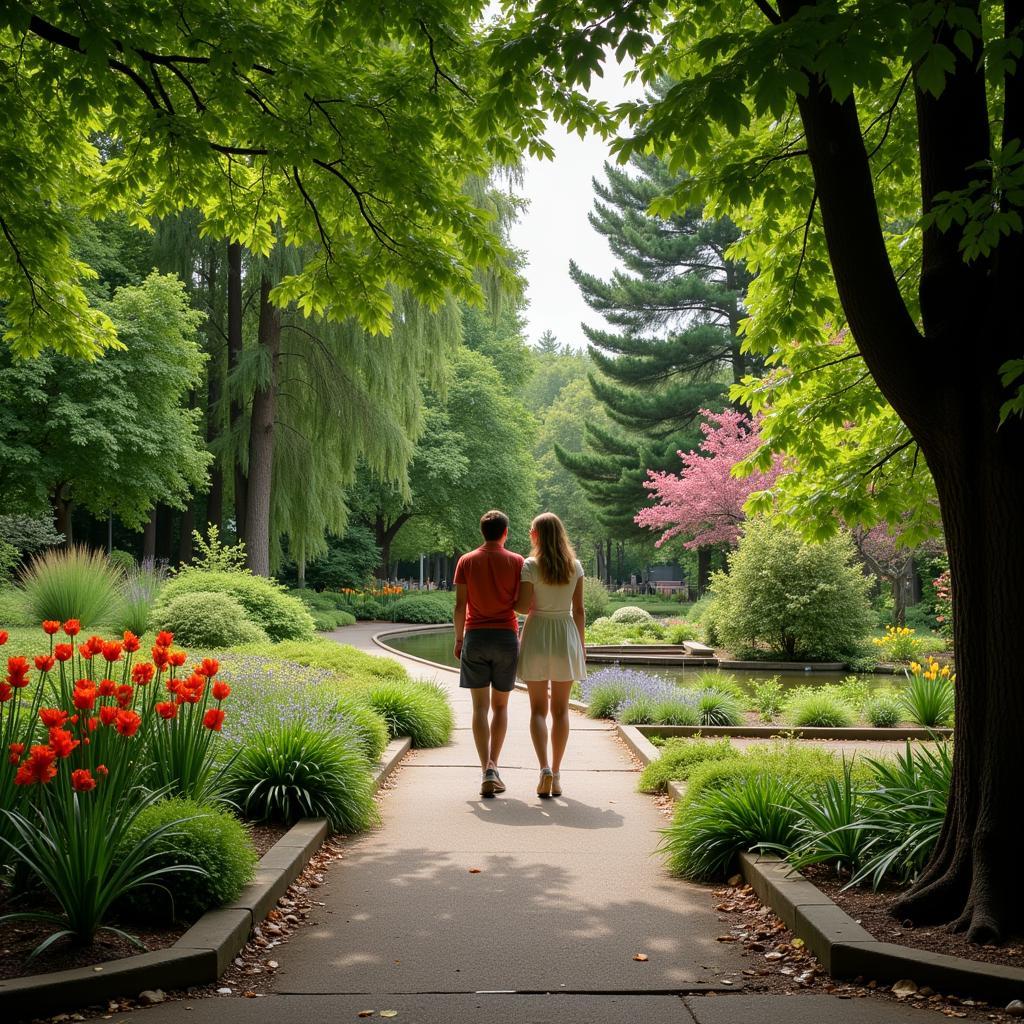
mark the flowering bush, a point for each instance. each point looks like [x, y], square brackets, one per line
[900, 645]
[85, 766]
[944, 603]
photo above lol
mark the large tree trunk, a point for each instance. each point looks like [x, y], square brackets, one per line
[261, 441]
[236, 408]
[974, 871]
[149, 539]
[188, 524]
[62, 508]
[215, 495]
[943, 381]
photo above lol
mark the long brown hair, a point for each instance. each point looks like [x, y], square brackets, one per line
[555, 556]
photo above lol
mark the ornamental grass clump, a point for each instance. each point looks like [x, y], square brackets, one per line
[715, 707]
[137, 595]
[418, 710]
[884, 709]
[71, 583]
[819, 707]
[929, 698]
[291, 770]
[82, 790]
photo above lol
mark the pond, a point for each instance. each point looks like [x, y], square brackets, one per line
[437, 646]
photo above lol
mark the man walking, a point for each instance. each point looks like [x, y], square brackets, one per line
[487, 639]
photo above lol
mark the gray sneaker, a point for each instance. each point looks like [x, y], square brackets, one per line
[490, 783]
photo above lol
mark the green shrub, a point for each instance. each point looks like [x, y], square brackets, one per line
[421, 608]
[289, 770]
[768, 698]
[202, 620]
[326, 620]
[679, 632]
[884, 709]
[900, 645]
[821, 706]
[606, 631]
[718, 708]
[367, 610]
[211, 839]
[123, 560]
[790, 597]
[71, 583]
[595, 598]
[928, 702]
[704, 839]
[700, 608]
[678, 758]
[856, 691]
[605, 700]
[266, 603]
[369, 728]
[631, 615]
[676, 712]
[418, 710]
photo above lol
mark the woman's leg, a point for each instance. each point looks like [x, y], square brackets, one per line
[539, 719]
[559, 722]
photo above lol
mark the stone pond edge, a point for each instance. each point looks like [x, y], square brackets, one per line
[204, 952]
[843, 947]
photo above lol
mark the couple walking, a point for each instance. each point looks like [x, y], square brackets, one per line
[492, 585]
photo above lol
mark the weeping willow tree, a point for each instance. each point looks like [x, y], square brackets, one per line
[349, 400]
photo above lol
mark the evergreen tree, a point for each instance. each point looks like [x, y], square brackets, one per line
[675, 306]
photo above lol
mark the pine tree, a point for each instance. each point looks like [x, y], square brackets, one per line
[676, 305]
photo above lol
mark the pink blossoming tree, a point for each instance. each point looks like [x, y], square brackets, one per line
[704, 502]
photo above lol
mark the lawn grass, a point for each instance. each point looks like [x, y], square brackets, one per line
[650, 602]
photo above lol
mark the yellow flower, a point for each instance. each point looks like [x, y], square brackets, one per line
[914, 667]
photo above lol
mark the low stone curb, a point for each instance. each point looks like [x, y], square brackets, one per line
[844, 948]
[204, 952]
[799, 732]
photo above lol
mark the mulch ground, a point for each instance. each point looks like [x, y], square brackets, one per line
[871, 911]
[19, 938]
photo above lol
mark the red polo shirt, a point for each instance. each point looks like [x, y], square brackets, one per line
[491, 575]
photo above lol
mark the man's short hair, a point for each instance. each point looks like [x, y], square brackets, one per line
[493, 524]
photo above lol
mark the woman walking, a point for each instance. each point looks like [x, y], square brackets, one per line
[551, 653]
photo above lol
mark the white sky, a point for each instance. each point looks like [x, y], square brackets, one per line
[555, 229]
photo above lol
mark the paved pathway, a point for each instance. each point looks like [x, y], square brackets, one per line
[567, 892]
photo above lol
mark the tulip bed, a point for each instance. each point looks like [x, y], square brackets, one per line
[128, 766]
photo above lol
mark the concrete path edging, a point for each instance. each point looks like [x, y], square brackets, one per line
[204, 952]
[845, 949]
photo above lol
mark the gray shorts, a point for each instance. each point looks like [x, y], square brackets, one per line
[489, 658]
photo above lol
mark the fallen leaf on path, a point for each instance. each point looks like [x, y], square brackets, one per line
[641, 957]
[366, 1013]
[474, 871]
[389, 1013]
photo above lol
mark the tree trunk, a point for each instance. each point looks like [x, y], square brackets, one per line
[300, 566]
[974, 871]
[384, 534]
[62, 508]
[236, 409]
[215, 495]
[261, 441]
[164, 532]
[188, 524]
[149, 539]
[608, 562]
[703, 570]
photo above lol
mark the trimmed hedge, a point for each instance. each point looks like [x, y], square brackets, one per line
[201, 620]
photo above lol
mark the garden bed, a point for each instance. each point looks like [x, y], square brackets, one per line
[871, 911]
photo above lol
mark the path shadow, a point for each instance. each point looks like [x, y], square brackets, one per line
[558, 812]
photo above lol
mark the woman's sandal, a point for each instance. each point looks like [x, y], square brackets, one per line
[556, 784]
[545, 782]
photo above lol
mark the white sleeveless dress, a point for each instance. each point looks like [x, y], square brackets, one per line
[550, 647]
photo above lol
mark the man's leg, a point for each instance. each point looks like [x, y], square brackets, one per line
[499, 725]
[481, 726]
